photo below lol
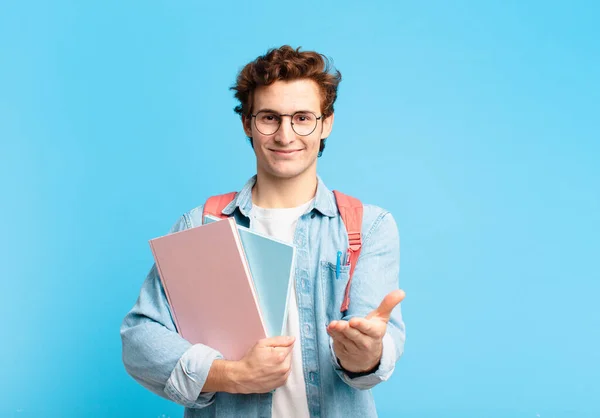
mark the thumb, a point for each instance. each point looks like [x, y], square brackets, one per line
[389, 302]
[279, 341]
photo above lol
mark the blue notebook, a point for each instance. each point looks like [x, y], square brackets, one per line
[271, 265]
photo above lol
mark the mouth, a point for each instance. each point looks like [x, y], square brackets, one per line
[285, 152]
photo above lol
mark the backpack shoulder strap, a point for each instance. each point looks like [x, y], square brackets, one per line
[215, 204]
[351, 210]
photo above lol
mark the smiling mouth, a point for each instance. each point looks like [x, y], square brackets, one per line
[279, 151]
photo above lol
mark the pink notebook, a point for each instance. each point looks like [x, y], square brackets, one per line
[208, 284]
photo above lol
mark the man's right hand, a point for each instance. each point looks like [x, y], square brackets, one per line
[265, 367]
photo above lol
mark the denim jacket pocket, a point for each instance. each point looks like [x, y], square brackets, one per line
[333, 287]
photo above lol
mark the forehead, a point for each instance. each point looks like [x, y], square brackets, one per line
[288, 96]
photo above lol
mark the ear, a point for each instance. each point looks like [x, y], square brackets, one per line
[327, 126]
[247, 125]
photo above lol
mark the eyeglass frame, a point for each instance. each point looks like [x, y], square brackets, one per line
[291, 120]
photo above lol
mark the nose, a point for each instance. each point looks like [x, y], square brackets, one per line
[285, 134]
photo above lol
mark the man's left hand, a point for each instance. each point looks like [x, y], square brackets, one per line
[358, 343]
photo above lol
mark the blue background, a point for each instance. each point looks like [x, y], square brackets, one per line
[475, 123]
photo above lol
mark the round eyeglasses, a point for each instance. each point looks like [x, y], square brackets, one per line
[268, 122]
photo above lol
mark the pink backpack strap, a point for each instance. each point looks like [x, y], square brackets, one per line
[351, 210]
[215, 204]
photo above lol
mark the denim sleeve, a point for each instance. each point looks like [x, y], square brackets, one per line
[156, 356]
[376, 274]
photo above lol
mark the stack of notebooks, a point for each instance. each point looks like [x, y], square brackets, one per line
[227, 286]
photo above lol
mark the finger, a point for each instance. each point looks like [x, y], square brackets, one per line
[389, 302]
[351, 333]
[373, 329]
[335, 324]
[279, 354]
[347, 346]
[361, 341]
[280, 341]
[339, 337]
[281, 349]
[290, 350]
[333, 333]
[337, 328]
[352, 338]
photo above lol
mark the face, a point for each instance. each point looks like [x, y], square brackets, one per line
[285, 154]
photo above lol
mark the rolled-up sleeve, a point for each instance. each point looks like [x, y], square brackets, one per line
[189, 375]
[156, 356]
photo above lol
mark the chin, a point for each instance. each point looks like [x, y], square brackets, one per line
[285, 173]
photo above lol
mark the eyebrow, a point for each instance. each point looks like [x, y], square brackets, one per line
[279, 113]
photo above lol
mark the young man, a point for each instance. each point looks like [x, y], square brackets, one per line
[327, 357]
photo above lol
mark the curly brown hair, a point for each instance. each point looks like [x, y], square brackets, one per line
[286, 63]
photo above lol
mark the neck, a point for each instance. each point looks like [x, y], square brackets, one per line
[275, 193]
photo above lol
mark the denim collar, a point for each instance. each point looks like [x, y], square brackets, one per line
[324, 200]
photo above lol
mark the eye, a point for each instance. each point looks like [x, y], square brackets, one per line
[269, 117]
[303, 118]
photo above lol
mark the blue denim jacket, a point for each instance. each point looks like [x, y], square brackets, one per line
[160, 360]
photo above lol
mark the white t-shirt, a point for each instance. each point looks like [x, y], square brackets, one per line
[289, 400]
